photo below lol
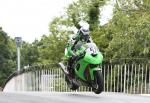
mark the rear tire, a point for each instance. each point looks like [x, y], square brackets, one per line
[99, 82]
[70, 84]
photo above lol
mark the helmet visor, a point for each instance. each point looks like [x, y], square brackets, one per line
[85, 38]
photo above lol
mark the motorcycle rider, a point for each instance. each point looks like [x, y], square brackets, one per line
[82, 36]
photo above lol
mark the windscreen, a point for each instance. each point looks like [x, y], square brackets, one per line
[91, 48]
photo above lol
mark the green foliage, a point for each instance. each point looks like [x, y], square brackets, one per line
[29, 54]
[94, 13]
[7, 64]
[87, 10]
[130, 29]
[51, 47]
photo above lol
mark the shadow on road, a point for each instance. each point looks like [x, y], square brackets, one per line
[84, 95]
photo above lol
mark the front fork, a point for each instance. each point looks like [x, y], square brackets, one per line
[92, 70]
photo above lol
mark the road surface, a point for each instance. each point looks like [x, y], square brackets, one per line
[72, 97]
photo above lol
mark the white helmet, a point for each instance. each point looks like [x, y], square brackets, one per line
[84, 30]
[84, 25]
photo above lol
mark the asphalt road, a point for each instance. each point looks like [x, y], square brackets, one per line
[74, 97]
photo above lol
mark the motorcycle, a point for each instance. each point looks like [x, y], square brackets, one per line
[86, 68]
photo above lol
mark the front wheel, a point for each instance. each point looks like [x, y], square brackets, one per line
[98, 82]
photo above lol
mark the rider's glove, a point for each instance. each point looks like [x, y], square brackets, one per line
[82, 54]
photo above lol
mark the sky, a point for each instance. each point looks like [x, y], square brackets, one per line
[29, 19]
[107, 12]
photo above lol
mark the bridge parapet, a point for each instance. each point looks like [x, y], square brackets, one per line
[127, 78]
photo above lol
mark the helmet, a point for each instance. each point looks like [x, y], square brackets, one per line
[84, 31]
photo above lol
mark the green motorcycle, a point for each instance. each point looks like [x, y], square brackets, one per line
[86, 68]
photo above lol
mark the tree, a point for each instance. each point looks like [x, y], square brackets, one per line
[7, 64]
[129, 28]
[51, 47]
[87, 10]
[29, 54]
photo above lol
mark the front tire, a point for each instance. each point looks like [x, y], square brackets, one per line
[98, 82]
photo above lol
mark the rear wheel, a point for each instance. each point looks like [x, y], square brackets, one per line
[98, 82]
[70, 84]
